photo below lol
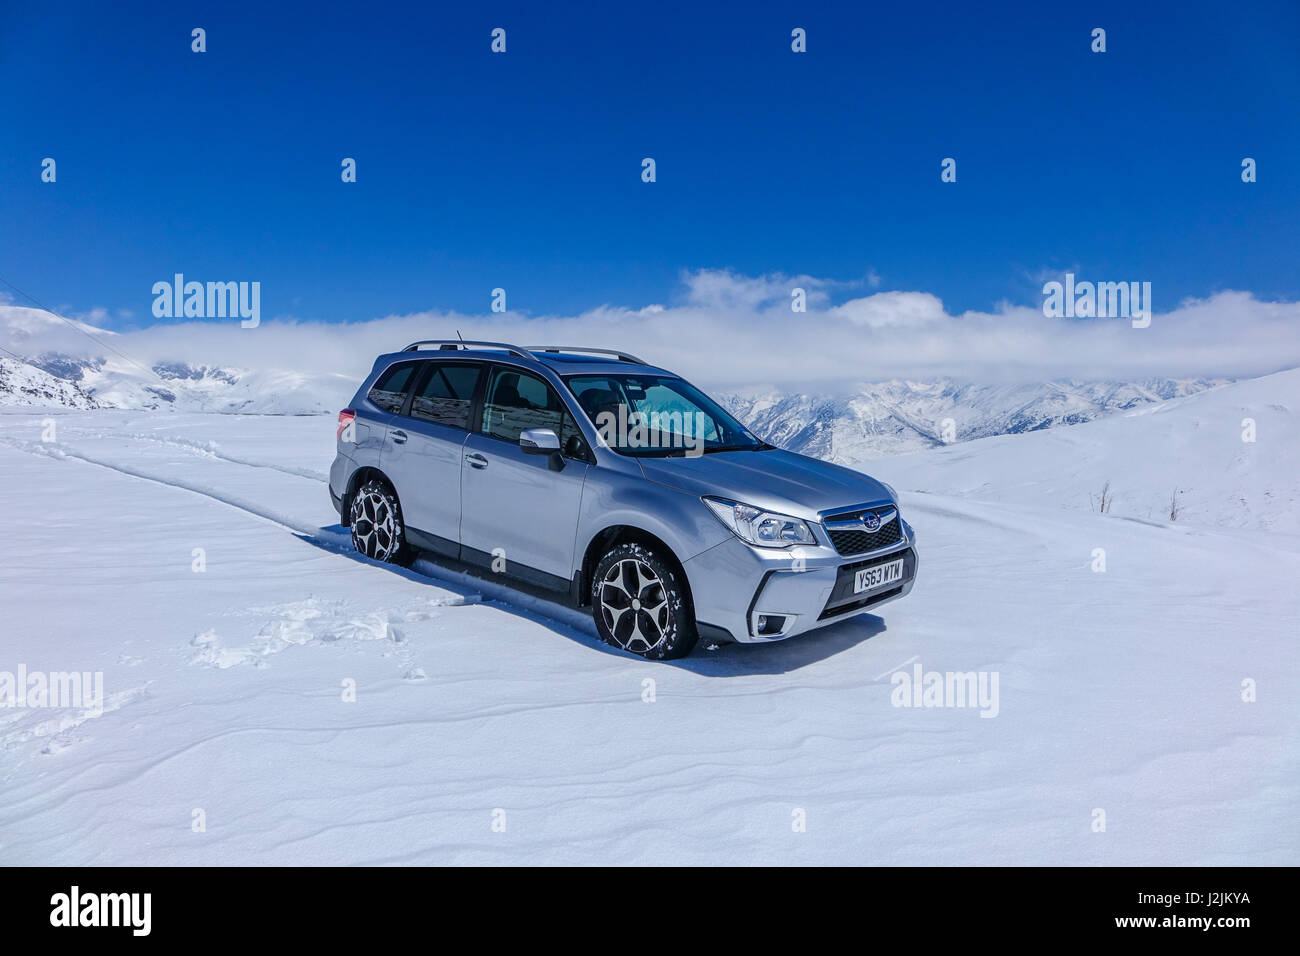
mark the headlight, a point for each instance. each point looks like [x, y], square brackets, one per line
[767, 529]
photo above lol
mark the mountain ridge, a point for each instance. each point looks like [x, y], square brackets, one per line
[849, 426]
[902, 416]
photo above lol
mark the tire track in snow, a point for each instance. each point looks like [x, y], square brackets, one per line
[324, 537]
[212, 450]
[473, 590]
[57, 730]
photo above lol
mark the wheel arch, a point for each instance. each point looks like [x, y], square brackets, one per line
[617, 534]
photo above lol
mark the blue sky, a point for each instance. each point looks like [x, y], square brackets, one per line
[523, 170]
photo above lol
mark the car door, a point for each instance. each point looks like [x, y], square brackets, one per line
[383, 405]
[423, 452]
[525, 505]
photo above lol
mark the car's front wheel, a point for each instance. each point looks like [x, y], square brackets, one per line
[641, 604]
[377, 530]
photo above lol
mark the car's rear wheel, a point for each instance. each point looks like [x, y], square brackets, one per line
[377, 530]
[641, 604]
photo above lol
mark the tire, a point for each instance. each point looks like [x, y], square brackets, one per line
[377, 529]
[641, 605]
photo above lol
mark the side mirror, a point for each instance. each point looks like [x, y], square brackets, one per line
[539, 441]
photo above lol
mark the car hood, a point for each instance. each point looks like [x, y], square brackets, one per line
[776, 480]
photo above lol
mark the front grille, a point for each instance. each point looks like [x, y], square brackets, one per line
[860, 542]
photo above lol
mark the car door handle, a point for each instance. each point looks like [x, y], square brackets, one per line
[476, 461]
[398, 436]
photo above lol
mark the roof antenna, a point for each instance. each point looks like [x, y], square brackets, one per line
[448, 347]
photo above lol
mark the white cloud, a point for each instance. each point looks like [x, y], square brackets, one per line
[733, 331]
[903, 310]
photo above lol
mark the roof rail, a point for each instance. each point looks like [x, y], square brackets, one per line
[622, 356]
[454, 344]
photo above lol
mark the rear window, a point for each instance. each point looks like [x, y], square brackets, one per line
[389, 392]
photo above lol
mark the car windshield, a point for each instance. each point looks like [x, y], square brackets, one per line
[658, 416]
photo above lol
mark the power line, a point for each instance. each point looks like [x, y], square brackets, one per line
[78, 327]
[20, 358]
[34, 364]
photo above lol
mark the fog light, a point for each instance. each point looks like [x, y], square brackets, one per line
[769, 624]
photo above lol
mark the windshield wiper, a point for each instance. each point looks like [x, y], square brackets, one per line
[684, 452]
[761, 446]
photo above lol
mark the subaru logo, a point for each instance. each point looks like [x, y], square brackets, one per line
[871, 521]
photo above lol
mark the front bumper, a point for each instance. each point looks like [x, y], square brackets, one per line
[759, 595]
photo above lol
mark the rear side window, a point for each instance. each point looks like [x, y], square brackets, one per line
[389, 392]
[447, 395]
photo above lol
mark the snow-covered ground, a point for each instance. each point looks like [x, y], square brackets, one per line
[1229, 457]
[491, 728]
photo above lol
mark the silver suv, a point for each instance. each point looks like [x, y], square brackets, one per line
[603, 481]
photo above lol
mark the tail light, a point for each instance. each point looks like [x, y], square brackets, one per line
[346, 417]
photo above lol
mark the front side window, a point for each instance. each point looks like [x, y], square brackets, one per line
[447, 395]
[516, 401]
[389, 391]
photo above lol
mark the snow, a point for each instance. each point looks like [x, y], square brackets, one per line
[61, 362]
[185, 387]
[24, 384]
[1190, 446]
[20, 324]
[224, 688]
[884, 419]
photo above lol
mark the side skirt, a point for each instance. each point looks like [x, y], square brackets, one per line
[521, 577]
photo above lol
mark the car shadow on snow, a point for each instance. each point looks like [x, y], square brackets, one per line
[543, 607]
[781, 657]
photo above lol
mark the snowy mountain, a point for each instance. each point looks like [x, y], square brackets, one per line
[897, 417]
[23, 384]
[1228, 458]
[182, 386]
[877, 420]
[90, 363]
[869, 422]
[21, 326]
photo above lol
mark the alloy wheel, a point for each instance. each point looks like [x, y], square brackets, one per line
[634, 603]
[374, 525]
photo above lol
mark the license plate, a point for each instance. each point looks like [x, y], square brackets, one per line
[881, 574]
